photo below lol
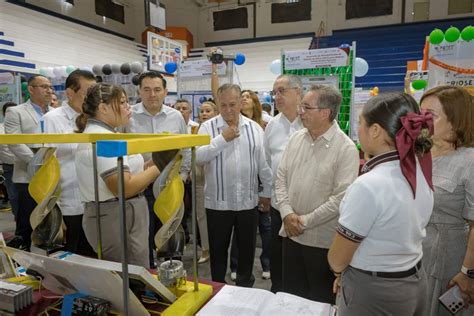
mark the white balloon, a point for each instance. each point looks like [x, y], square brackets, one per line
[63, 71]
[56, 71]
[50, 71]
[136, 67]
[275, 67]
[361, 67]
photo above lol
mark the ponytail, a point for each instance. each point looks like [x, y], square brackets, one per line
[81, 122]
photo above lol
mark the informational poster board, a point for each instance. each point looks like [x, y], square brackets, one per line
[9, 90]
[452, 64]
[162, 50]
[328, 66]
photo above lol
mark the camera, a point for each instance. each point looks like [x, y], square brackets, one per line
[216, 57]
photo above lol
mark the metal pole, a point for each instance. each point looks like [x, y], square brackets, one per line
[194, 220]
[97, 204]
[123, 233]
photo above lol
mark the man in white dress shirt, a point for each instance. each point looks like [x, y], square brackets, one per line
[316, 167]
[152, 116]
[184, 107]
[62, 120]
[27, 118]
[233, 163]
[287, 91]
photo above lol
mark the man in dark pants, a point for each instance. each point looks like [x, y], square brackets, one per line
[62, 120]
[151, 116]
[27, 118]
[286, 92]
[233, 163]
[318, 164]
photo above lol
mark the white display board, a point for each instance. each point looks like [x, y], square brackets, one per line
[162, 50]
[316, 58]
[452, 64]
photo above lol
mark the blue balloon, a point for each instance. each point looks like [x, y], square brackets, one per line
[267, 98]
[239, 59]
[202, 99]
[170, 67]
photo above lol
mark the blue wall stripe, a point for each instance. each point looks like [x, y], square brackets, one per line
[17, 64]
[12, 53]
[5, 42]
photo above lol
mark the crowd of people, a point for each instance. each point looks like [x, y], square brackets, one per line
[384, 238]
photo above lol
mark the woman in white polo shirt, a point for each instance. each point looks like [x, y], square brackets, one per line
[105, 109]
[383, 215]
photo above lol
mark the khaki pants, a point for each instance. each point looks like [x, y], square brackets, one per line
[365, 295]
[137, 230]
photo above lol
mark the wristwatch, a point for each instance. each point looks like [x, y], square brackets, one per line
[468, 272]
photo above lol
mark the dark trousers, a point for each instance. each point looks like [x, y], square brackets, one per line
[188, 209]
[276, 253]
[154, 225]
[220, 225]
[306, 272]
[76, 241]
[264, 229]
[11, 188]
[26, 205]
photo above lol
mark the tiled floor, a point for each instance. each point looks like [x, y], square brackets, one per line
[7, 224]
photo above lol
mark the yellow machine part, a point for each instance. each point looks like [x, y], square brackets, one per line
[169, 200]
[26, 280]
[45, 179]
[190, 301]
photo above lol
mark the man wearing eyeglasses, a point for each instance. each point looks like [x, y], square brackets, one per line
[316, 167]
[287, 91]
[27, 118]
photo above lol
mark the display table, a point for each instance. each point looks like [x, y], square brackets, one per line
[46, 300]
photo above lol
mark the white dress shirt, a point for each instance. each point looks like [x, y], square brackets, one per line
[232, 168]
[6, 156]
[62, 120]
[167, 120]
[105, 166]
[191, 123]
[277, 133]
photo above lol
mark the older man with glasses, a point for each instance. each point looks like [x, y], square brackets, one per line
[27, 118]
[317, 166]
[287, 91]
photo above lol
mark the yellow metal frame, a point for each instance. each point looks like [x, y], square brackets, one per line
[190, 300]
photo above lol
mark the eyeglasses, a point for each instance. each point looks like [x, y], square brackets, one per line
[305, 108]
[280, 91]
[44, 86]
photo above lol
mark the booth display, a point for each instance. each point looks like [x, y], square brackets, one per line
[329, 66]
[186, 299]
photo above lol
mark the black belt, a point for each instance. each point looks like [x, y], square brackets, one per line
[393, 275]
[116, 199]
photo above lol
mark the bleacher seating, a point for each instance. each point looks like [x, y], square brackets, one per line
[388, 48]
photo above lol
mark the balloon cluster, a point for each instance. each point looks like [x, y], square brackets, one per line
[451, 35]
[57, 72]
[124, 69]
[135, 67]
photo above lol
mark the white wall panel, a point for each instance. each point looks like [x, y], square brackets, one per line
[50, 41]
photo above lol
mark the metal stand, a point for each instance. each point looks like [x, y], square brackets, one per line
[194, 219]
[123, 232]
[97, 204]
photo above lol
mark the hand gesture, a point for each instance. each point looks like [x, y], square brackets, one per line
[293, 225]
[230, 133]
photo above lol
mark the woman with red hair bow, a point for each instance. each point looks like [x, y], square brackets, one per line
[376, 253]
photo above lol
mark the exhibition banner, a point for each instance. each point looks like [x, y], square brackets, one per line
[452, 64]
[199, 68]
[316, 58]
